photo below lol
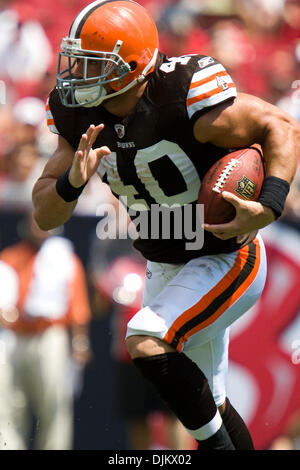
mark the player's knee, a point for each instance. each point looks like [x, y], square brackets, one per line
[143, 346]
[139, 346]
[222, 407]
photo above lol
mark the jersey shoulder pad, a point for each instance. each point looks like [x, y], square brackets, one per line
[50, 117]
[60, 119]
[171, 79]
[209, 86]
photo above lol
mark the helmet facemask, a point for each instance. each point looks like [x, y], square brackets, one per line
[88, 91]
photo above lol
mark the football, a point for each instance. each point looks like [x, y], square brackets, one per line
[240, 172]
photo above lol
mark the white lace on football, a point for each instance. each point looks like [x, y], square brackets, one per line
[225, 175]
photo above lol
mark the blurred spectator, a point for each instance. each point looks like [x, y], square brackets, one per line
[179, 30]
[261, 16]
[6, 131]
[20, 124]
[54, 20]
[48, 302]
[24, 150]
[254, 39]
[29, 125]
[292, 14]
[22, 166]
[269, 68]
[290, 101]
[25, 51]
[29, 114]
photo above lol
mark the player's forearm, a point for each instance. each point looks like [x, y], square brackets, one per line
[281, 147]
[50, 210]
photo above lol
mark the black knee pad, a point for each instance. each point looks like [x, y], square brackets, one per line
[182, 385]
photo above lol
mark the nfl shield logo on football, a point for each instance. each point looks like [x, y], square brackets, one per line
[246, 188]
[120, 130]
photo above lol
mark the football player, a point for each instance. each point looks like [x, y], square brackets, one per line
[151, 126]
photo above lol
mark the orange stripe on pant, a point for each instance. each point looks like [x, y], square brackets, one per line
[213, 294]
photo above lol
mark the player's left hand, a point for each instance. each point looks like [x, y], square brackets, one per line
[250, 216]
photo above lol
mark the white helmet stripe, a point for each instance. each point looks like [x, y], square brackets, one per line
[81, 15]
[80, 19]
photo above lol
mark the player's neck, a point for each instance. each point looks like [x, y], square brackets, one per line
[122, 104]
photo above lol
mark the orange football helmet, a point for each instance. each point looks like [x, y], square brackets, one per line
[121, 36]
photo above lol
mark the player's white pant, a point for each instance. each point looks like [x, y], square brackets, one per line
[191, 306]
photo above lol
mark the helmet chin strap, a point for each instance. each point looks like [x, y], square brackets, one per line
[84, 96]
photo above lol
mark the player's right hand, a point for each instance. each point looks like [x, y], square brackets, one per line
[250, 217]
[86, 159]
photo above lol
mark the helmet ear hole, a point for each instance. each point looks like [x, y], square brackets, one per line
[133, 65]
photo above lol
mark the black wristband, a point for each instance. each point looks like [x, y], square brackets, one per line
[273, 194]
[65, 190]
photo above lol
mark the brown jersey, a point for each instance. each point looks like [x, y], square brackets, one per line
[156, 164]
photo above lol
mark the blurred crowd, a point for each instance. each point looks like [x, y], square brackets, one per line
[256, 40]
